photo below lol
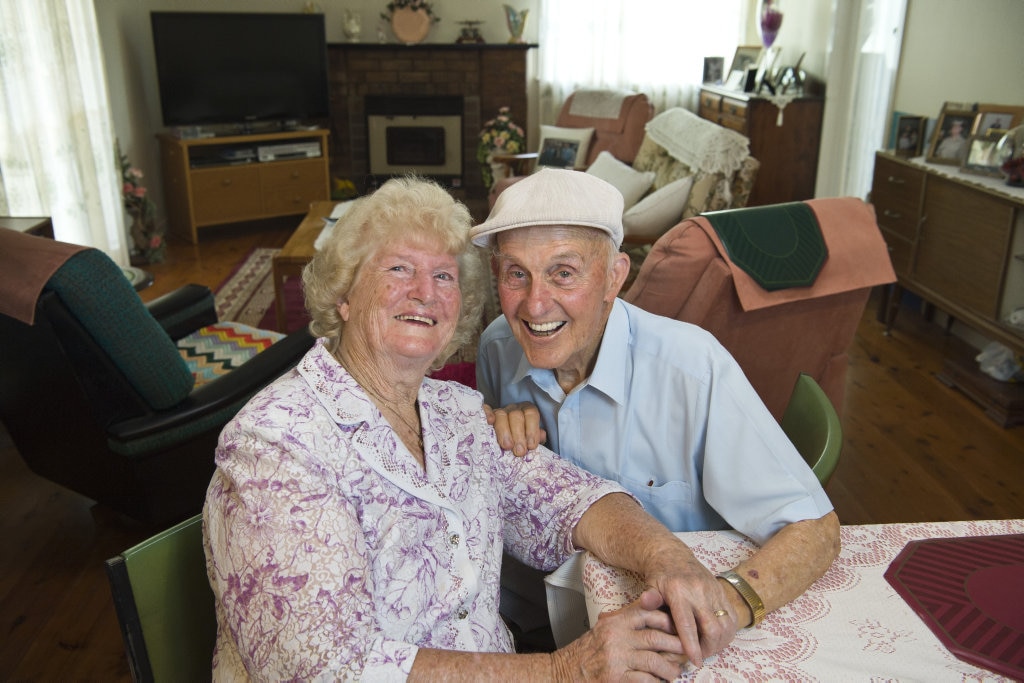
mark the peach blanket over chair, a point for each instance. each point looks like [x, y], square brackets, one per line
[773, 335]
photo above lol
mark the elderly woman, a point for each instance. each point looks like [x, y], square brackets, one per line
[355, 523]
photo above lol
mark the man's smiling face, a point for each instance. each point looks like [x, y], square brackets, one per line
[557, 285]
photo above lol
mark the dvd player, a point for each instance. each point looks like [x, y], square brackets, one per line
[293, 150]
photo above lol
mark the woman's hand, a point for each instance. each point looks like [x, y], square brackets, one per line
[636, 641]
[517, 427]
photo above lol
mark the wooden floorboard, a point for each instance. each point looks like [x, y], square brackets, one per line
[914, 450]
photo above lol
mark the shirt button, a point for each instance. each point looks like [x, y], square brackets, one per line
[462, 613]
[454, 539]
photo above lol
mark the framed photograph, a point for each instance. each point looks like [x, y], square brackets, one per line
[951, 137]
[993, 120]
[735, 80]
[746, 56]
[992, 116]
[909, 135]
[714, 68]
[982, 157]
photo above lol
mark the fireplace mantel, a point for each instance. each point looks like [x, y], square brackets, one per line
[487, 77]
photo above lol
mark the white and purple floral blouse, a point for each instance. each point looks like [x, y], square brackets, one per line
[334, 555]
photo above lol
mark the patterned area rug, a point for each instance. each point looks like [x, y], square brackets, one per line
[248, 293]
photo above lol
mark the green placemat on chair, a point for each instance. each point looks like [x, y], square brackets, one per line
[779, 246]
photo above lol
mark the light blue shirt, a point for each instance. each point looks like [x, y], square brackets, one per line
[669, 414]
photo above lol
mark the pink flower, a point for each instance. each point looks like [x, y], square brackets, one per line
[139, 192]
[155, 241]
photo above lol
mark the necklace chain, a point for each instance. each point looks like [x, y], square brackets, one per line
[388, 404]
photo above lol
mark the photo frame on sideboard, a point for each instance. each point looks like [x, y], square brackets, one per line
[951, 137]
[746, 56]
[982, 157]
[909, 135]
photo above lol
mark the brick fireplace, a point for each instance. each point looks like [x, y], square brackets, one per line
[485, 77]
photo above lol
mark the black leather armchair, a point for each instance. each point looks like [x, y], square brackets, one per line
[97, 398]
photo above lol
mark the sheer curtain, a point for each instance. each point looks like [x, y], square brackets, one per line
[861, 77]
[56, 136]
[651, 46]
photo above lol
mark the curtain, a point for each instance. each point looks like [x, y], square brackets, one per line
[861, 77]
[57, 154]
[651, 46]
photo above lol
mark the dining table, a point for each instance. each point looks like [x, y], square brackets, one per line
[885, 609]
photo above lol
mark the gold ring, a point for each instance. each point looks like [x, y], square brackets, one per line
[720, 613]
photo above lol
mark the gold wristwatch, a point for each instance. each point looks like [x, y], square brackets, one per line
[749, 595]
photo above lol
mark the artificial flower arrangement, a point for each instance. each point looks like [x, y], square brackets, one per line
[1014, 170]
[147, 234]
[415, 5]
[499, 135]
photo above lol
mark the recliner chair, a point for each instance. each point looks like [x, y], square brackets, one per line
[94, 392]
[617, 119]
[775, 335]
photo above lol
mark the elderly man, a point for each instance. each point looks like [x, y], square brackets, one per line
[655, 404]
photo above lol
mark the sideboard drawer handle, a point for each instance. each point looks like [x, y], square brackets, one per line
[892, 214]
[296, 174]
[897, 181]
[225, 182]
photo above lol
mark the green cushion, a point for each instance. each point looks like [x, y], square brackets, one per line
[98, 294]
[779, 246]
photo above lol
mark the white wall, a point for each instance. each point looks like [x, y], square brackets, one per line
[960, 51]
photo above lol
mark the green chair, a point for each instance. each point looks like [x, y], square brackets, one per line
[811, 423]
[165, 605]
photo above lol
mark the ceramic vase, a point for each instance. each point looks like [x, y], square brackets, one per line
[516, 21]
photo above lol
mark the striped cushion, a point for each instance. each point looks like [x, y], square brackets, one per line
[216, 350]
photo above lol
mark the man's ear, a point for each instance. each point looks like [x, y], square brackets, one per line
[620, 271]
[343, 308]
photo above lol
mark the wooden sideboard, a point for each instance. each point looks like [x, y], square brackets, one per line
[211, 181]
[956, 240]
[785, 141]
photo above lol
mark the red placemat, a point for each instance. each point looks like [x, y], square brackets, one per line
[970, 593]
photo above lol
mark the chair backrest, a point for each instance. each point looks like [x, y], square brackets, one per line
[812, 424]
[165, 605]
[619, 135]
[774, 336]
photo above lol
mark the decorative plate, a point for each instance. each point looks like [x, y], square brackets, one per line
[410, 26]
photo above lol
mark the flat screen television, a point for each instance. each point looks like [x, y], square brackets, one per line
[240, 68]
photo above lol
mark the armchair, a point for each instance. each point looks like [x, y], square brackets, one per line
[95, 393]
[693, 276]
[608, 120]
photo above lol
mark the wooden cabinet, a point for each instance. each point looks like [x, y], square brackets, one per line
[785, 141]
[956, 240]
[211, 181]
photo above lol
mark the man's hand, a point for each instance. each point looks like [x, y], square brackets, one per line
[637, 639]
[517, 427]
[703, 613]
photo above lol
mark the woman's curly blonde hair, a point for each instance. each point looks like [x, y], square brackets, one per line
[400, 205]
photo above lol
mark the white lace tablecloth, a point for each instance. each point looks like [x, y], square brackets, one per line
[849, 626]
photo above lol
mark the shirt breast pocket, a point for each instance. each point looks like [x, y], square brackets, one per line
[670, 502]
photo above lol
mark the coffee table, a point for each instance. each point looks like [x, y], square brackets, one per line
[296, 253]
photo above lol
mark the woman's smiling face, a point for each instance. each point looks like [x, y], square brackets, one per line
[405, 302]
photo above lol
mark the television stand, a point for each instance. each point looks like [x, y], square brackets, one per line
[218, 180]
